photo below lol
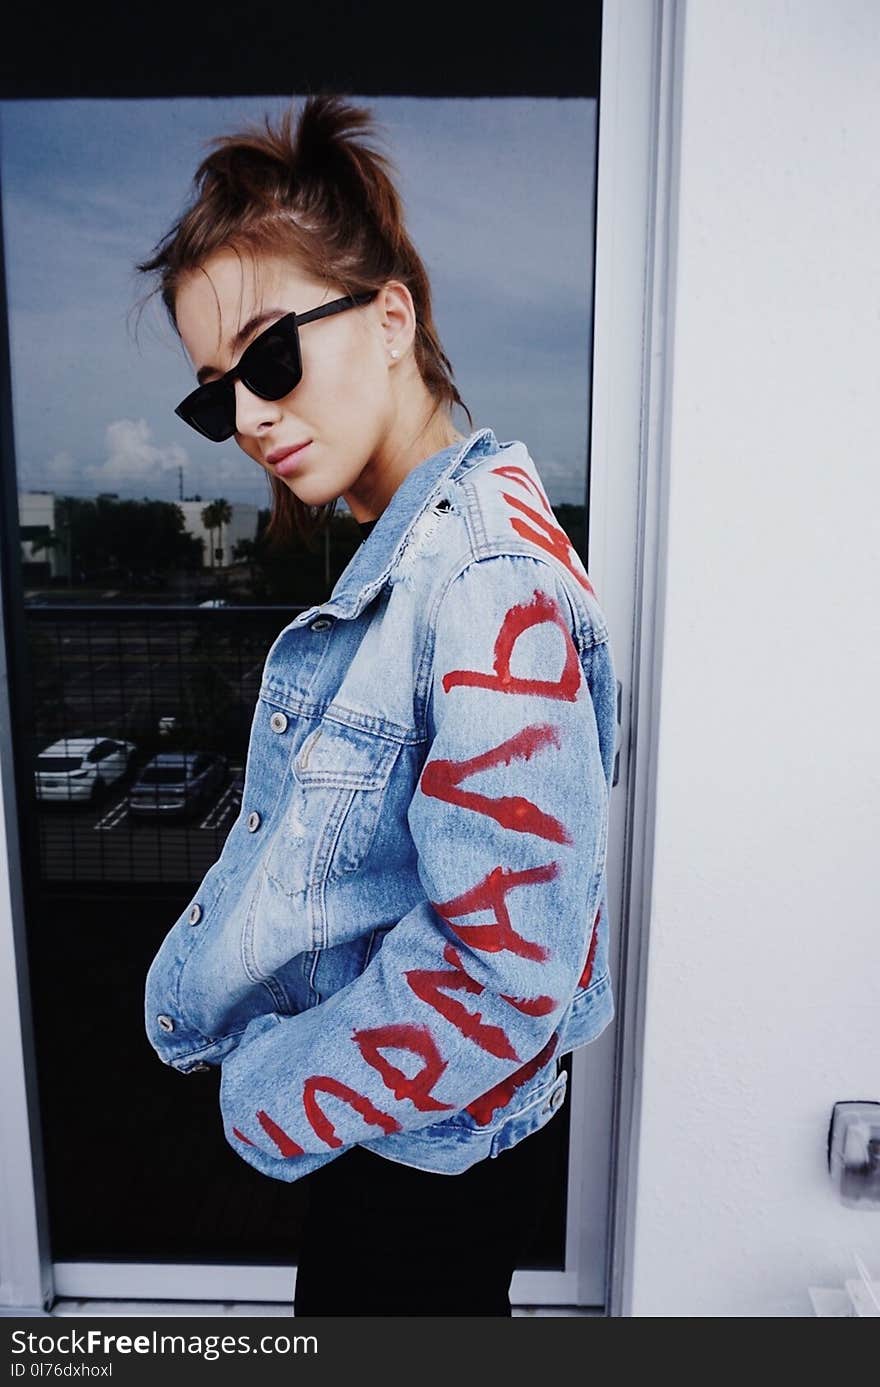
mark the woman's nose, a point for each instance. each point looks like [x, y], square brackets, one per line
[252, 412]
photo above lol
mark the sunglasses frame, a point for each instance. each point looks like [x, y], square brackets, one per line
[213, 391]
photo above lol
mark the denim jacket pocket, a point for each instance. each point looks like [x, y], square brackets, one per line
[328, 819]
[338, 783]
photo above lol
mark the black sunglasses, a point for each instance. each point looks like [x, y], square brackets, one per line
[270, 367]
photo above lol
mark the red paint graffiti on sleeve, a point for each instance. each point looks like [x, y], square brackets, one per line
[322, 1126]
[521, 476]
[531, 1006]
[418, 1040]
[286, 1145]
[433, 985]
[549, 537]
[440, 779]
[584, 979]
[484, 1108]
[491, 894]
[540, 610]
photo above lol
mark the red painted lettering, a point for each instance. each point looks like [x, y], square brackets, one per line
[285, 1144]
[531, 1006]
[551, 538]
[518, 619]
[484, 1108]
[440, 779]
[417, 1039]
[433, 986]
[520, 475]
[584, 979]
[490, 894]
[322, 1126]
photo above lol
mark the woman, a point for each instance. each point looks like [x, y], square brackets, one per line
[406, 928]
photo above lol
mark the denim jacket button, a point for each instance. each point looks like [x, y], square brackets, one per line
[320, 623]
[195, 914]
[556, 1099]
[253, 821]
[198, 1067]
[166, 1023]
[278, 722]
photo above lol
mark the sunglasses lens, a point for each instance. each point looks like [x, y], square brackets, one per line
[272, 367]
[211, 411]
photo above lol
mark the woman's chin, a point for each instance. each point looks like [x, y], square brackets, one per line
[311, 493]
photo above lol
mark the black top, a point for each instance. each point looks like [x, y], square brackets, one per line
[365, 526]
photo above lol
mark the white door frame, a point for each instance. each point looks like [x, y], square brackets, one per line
[636, 189]
[642, 45]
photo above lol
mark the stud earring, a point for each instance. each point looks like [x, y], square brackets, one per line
[395, 353]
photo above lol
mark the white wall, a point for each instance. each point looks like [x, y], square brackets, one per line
[38, 508]
[763, 989]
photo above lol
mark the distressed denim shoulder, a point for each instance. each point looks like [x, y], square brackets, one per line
[407, 926]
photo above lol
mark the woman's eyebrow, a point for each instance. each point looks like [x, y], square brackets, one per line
[241, 337]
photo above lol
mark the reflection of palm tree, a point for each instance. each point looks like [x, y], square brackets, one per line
[46, 541]
[52, 543]
[214, 517]
[246, 552]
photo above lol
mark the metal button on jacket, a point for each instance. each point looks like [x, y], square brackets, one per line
[556, 1099]
[278, 722]
[320, 623]
[195, 914]
[196, 1068]
[253, 821]
[166, 1023]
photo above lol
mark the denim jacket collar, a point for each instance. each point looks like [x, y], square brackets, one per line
[371, 564]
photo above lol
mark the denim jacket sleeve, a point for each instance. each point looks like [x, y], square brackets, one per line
[461, 1004]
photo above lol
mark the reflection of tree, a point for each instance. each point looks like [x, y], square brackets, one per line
[301, 574]
[140, 538]
[108, 535]
[214, 516]
[48, 542]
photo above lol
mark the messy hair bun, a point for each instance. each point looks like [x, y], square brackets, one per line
[316, 191]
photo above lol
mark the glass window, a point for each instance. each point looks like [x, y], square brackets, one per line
[151, 600]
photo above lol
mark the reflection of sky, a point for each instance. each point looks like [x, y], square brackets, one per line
[499, 195]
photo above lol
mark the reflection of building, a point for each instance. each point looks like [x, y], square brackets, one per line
[243, 525]
[36, 518]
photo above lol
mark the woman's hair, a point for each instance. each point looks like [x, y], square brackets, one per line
[318, 194]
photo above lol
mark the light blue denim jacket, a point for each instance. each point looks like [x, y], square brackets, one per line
[407, 926]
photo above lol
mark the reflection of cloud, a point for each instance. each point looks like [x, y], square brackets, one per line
[62, 470]
[136, 466]
[133, 460]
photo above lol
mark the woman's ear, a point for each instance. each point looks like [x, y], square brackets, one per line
[397, 318]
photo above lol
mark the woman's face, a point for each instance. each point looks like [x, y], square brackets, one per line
[344, 404]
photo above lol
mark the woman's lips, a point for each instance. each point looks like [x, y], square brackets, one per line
[292, 461]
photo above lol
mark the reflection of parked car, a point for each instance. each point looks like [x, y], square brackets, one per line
[81, 768]
[176, 783]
